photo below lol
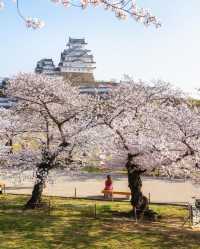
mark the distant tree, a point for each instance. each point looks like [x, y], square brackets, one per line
[53, 113]
[122, 9]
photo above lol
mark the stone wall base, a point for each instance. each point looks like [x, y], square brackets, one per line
[79, 78]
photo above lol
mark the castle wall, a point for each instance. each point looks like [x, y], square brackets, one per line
[79, 78]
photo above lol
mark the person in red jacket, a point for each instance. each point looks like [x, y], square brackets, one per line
[108, 186]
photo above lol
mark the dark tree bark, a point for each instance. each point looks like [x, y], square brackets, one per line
[36, 197]
[48, 163]
[10, 144]
[138, 200]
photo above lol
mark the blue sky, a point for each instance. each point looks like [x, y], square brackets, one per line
[171, 53]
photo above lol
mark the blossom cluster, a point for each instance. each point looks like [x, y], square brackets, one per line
[34, 23]
[122, 9]
[2, 5]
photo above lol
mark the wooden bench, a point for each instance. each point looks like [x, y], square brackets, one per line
[112, 193]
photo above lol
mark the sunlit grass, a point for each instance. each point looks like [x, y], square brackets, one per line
[72, 224]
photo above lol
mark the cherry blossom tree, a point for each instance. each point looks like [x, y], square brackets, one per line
[140, 126]
[53, 113]
[143, 127]
[122, 9]
[179, 133]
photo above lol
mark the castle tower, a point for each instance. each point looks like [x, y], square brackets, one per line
[45, 66]
[76, 62]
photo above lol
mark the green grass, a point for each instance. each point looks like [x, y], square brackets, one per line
[71, 224]
[92, 169]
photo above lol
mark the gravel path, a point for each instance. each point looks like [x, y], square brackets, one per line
[90, 185]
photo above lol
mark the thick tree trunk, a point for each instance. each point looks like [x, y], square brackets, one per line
[139, 202]
[36, 197]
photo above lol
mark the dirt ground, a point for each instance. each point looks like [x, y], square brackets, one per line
[90, 185]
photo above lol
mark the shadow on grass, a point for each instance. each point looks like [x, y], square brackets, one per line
[71, 225]
[87, 232]
[21, 228]
[99, 233]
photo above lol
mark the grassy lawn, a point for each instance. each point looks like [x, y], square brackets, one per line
[71, 224]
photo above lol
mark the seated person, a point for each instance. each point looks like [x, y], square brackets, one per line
[108, 186]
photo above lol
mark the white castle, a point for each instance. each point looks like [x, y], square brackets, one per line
[45, 66]
[76, 58]
[75, 62]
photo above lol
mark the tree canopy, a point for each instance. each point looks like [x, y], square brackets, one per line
[140, 126]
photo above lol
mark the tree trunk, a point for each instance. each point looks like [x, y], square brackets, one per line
[139, 202]
[36, 197]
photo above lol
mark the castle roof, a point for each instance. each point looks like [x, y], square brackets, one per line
[77, 41]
